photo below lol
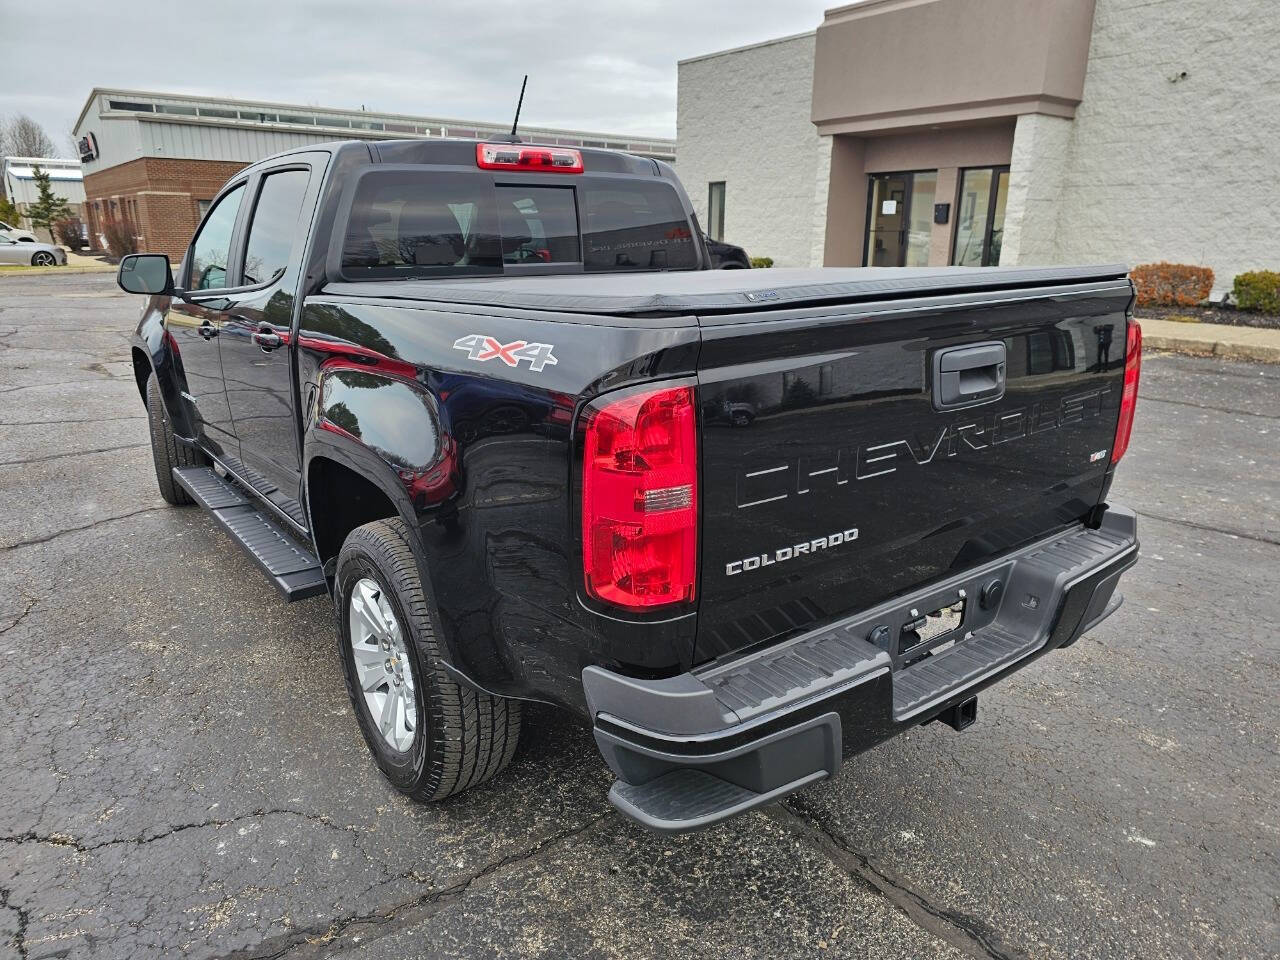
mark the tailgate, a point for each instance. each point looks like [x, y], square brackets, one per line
[852, 453]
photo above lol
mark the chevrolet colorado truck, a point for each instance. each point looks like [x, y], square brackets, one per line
[490, 399]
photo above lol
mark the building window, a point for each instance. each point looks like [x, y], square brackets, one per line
[715, 210]
[130, 105]
[984, 192]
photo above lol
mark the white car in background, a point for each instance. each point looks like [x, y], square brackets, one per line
[16, 233]
[32, 253]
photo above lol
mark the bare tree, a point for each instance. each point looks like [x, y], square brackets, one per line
[23, 137]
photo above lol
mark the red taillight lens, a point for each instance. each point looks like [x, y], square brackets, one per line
[513, 156]
[1129, 398]
[640, 499]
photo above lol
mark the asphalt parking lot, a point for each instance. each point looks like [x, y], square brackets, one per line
[182, 775]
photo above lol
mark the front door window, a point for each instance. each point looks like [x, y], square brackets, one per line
[984, 192]
[900, 225]
[211, 250]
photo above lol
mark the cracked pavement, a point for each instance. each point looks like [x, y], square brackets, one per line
[182, 775]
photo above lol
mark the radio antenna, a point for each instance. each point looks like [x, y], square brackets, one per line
[519, 104]
[512, 138]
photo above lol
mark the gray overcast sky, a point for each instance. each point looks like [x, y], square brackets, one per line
[600, 66]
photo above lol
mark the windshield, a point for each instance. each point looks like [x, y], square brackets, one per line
[436, 223]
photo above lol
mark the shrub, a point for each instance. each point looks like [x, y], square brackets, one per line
[1171, 284]
[68, 233]
[759, 263]
[121, 237]
[1258, 290]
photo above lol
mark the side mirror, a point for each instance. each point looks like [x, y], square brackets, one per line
[147, 273]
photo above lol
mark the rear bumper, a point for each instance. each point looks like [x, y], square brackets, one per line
[695, 749]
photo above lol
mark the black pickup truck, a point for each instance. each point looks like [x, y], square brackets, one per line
[491, 399]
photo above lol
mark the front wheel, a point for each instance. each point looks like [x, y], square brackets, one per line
[430, 736]
[43, 258]
[166, 451]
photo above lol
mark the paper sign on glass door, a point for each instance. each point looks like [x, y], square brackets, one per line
[888, 207]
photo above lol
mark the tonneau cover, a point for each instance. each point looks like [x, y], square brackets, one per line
[699, 291]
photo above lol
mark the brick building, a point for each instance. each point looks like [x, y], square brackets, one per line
[155, 161]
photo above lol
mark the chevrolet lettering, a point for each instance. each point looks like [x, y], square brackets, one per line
[760, 486]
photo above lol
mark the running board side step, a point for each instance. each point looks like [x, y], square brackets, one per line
[295, 571]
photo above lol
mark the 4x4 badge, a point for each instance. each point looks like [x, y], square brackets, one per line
[480, 347]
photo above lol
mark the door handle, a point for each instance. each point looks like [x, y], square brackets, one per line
[266, 339]
[968, 375]
[208, 330]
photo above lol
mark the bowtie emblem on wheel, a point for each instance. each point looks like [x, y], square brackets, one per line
[482, 348]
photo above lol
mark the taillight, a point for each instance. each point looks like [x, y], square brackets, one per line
[1129, 397]
[640, 499]
[514, 156]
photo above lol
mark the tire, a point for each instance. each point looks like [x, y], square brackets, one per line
[166, 451]
[460, 736]
[42, 258]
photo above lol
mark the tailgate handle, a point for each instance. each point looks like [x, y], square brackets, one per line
[968, 375]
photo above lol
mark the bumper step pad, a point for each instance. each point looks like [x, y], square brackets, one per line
[688, 799]
[293, 569]
[957, 667]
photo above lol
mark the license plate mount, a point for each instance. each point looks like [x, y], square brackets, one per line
[931, 627]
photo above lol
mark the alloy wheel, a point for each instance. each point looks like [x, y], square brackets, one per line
[382, 664]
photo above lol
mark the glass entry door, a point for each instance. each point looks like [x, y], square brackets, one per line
[984, 192]
[900, 219]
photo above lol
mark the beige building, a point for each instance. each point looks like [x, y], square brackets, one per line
[976, 132]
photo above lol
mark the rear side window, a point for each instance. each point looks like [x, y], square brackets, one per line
[412, 223]
[274, 226]
[636, 226]
[211, 250]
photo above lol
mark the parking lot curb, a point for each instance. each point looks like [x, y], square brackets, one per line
[1211, 340]
[40, 271]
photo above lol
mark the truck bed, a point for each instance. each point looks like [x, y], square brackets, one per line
[703, 291]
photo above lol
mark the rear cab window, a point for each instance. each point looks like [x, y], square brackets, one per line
[636, 226]
[428, 222]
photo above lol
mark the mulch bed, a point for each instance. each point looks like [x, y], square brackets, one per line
[1227, 315]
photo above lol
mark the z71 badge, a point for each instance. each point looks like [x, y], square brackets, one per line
[482, 348]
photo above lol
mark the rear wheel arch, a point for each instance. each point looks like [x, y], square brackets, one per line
[339, 499]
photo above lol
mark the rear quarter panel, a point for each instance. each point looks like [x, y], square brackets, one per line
[478, 455]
